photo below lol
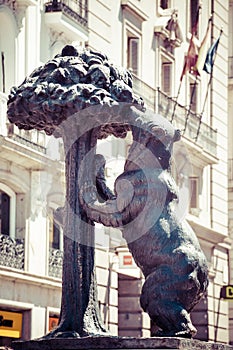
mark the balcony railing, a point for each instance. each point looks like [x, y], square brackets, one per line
[55, 262]
[77, 10]
[34, 139]
[11, 252]
[196, 131]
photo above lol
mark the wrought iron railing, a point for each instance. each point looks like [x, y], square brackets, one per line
[55, 262]
[11, 252]
[78, 10]
[34, 139]
[188, 122]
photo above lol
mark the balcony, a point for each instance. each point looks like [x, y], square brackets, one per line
[200, 135]
[33, 139]
[11, 252]
[69, 17]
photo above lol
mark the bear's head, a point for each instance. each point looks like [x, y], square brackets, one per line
[156, 135]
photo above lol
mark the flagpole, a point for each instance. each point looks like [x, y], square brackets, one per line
[207, 92]
[185, 67]
[201, 115]
[175, 104]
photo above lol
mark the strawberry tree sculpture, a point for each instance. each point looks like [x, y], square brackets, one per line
[79, 96]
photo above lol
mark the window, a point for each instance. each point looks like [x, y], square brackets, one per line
[2, 73]
[194, 5]
[55, 232]
[132, 19]
[7, 49]
[193, 87]
[164, 4]
[53, 322]
[166, 71]
[7, 211]
[38, 137]
[164, 7]
[194, 191]
[133, 54]
[4, 213]
[166, 77]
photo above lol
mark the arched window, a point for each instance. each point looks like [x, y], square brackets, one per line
[7, 211]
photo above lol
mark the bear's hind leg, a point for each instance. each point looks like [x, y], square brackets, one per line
[172, 318]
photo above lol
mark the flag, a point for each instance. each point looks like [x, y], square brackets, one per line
[191, 58]
[210, 57]
[202, 51]
[192, 55]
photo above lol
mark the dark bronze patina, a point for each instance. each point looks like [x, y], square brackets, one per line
[80, 96]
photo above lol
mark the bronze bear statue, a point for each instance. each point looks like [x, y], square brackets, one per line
[144, 207]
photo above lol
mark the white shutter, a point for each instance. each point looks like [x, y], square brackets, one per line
[193, 190]
[166, 77]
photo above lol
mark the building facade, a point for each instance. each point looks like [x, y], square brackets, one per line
[151, 39]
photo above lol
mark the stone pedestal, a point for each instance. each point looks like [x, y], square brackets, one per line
[110, 342]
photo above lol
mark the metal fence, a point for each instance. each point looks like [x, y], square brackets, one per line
[11, 252]
[55, 262]
[78, 9]
[33, 139]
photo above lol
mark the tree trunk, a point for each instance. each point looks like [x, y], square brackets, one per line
[80, 309]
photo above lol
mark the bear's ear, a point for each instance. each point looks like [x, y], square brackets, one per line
[158, 132]
[177, 135]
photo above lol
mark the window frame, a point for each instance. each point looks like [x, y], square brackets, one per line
[163, 78]
[166, 11]
[12, 212]
[8, 48]
[194, 179]
[166, 59]
[192, 82]
[189, 21]
[51, 221]
[130, 58]
[130, 31]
